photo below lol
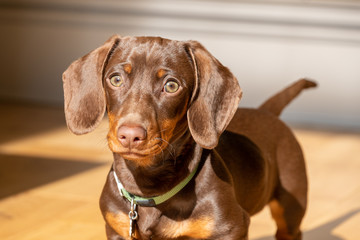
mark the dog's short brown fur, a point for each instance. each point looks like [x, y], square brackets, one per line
[160, 131]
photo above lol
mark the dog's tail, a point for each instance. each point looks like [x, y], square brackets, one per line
[278, 102]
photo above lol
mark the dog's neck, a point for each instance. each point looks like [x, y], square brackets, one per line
[163, 175]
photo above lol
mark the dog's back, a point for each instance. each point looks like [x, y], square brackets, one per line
[270, 166]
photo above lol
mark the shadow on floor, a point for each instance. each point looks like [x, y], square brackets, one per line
[22, 120]
[324, 231]
[20, 173]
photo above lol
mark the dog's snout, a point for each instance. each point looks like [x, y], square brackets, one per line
[131, 136]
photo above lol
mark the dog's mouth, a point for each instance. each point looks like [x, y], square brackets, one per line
[144, 156]
[141, 159]
[131, 155]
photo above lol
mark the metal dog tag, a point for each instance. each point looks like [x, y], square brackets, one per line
[133, 216]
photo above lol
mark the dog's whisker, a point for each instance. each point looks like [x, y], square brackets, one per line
[162, 153]
[161, 139]
[163, 130]
[172, 154]
[166, 142]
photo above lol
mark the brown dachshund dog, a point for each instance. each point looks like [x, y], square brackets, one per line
[188, 163]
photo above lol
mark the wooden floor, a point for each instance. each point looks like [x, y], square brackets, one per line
[50, 180]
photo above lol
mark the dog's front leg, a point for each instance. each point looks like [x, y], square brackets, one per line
[240, 231]
[234, 228]
[111, 234]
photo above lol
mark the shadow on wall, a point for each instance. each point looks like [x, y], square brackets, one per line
[324, 231]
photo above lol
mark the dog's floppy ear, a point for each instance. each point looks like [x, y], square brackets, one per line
[216, 96]
[83, 90]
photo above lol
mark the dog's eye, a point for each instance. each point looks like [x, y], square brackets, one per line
[116, 81]
[171, 87]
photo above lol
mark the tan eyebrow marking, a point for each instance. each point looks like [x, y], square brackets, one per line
[127, 68]
[161, 73]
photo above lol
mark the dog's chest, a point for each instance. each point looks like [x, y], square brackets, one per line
[165, 228]
[200, 228]
[154, 226]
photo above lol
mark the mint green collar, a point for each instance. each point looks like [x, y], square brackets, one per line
[153, 201]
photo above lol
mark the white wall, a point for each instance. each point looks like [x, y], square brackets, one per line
[267, 45]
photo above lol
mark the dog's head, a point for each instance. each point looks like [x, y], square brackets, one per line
[154, 90]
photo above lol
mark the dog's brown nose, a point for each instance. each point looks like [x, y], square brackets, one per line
[131, 136]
